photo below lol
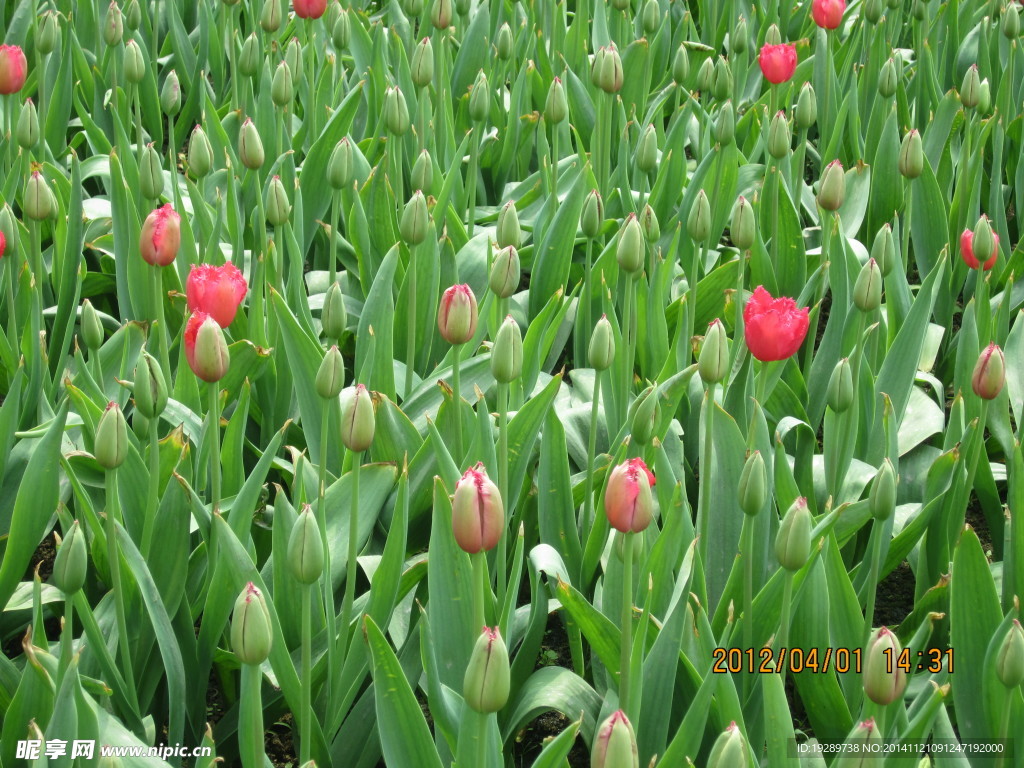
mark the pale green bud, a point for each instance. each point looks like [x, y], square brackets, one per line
[170, 94]
[281, 89]
[647, 150]
[69, 567]
[867, 291]
[806, 108]
[422, 65]
[111, 441]
[200, 153]
[422, 176]
[340, 166]
[556, 108]
[151, 173]
[306, 548]
[396, 112]
[507, 353]
[334, 318]
[773, 36]
[970, 90]
[793, 542]
[487, 681]
[415, 223]
[92, 328]
[48, 35]
[888, 79]
[27, 131]
[251, 630]
[729, 749]
[113, 25]
[270, 18]
[713, 361]
[629, 251]
[911, 158]
[743, 229]
[134, 63]
[651, 17]
[832, 188]
[882, 495]
[884, 679]
[725, 125]
[840, 387]
[38, 202]
[680, 65]
[592, 216]
[357, 418]
[753, 486]
[505, 44]
[779, 137]
[508, 230]
[505, 272]
[250, 146]
[1010, 657]
[479, 99]
[278, 207]
[721, 82]
[646, 410]
[601, 353]
[150, 388]
[883, 249]
[249, 61]
[698, 222]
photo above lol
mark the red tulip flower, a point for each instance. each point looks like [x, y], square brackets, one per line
[13, 69]
[774, 328]
[478, 515]
[217, 291]
[310, 9]
[3, 244]
[778, 62]
[627, 500]
[161, 236]
[828, 13]
[967, 251]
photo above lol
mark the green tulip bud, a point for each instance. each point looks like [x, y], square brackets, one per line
[422, 65]
[412, 8]
[133, 15]
[601, 353]
[882, 495]
[487, 680]
[873, 10]
[293, 58]
[357, 418]
[989, 374]
[832, 188]
[151, 173]
[278, 207]
[887, 79]
[884, 679]
[508, 229]
[867, 291]
[647, 150]
[505, 272]
[462, 7]
[505, 44]
[645, 412]
[883, 249]
[606, 73]
[970, 91]
[341, 31]
[113, 25]
[200, 153]
[415, 223]
[892, 4]
[615, 742]
[753, 486]
[680, 65]
[779, 137]
[209, 357]
[27, 131]
[110, 445]
[479, 99]
[48, 34]
[649, 224]
[738, 40]
[334, 10]
[629, 252]
[806, 108]
[592, 216]
[330, 378]
[839, 395]
[270, 18]
[170, 94]
[725, 126]
[306, 548]
[721, 82]
[556, 108]
[1011, 21]
[713, 361]
[705, 74]
[396, 112]
[72, 559]
[250, 146]
[150, 387]
[108, 761]
[441, 14]
[911, 158]
[984, 96]
[919, 10]
[743, 229]
[422, 176]
[134, 63]
[793, 541]
[251, 630]
[281, 89]
[698, 222]
[340, 167]
[620, 5]
[1010, 657]
[92, 328]
[38, 203]
[507, 353]
[984, 244]
[729, 749]
[249, 61]
[773, 36]
[333, 318]
[651, 17]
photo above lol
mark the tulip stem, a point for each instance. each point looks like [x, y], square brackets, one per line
[330, 611]
[153, 500]
[66, 636]
[410, 342]
[474, 161]
[1004, 725]
[704, 500]
[12, 310]
[699, 256]
[161, 327]
[114, 563]
[627, 621]
[500, 559]
[395, 157]
[350, 573]
[628, 331]
[306, 680]
[250, 718]
[588, 496]
[787, 607]
[587, 324]
[747, 553]
[878, 529]
[457, 403]
[480, 580]
[332, 264]
[214, 447]
[762, 384]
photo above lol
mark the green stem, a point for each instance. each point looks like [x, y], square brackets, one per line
[137, 104]
[704, 500]
[12, 309]
[479, 589]
[474, 161]
[627, 325]
[395, 158]
[588, 496]
[330, 610]
[787, 608]
[824, 118]
[696, 262]
[153, 499]
[172, 151]
[250, 719]
[67, 637]
[307, 676]
[762, 385]
[232, 56]
[747, 553]
[587, 325]
[214, 447]
[161, 326]
[481, 740]
[457, 404]
[410, 342]
[114, 562]
[332, 264]
[876, 562]
[1004, 726]
[350, 573]
[500, 560]
[627, 620]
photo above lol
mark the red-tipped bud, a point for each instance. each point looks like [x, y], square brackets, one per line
[628, 502]
[884, 679]
[478, 514]
[161, 236]
[989, 373]
[457, 314]
[205, 349]
[615, 744]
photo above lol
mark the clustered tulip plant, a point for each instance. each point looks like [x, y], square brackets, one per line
[473, 383]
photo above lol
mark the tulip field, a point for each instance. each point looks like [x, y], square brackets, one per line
[511, 383]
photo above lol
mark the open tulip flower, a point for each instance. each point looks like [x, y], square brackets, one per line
[774, 328]
[217, 291]
[778, 62]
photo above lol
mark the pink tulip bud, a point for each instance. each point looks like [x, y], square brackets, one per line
[161, 236]
[310, 9]
[13, 69]
[828, 13]
[989, 373]
[457, 315]
[627, 500]
[205, 349]
[217, 291]
[615, 743]
[478, 515]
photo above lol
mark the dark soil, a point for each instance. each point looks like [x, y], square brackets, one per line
[278, 743]
[895, 597]
[44, 556]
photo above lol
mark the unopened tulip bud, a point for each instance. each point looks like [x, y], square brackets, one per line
[592, 216]
[462, 7]
[713, 361]
[753, 485]
[743, 229]
[989, 373]
[705, 75]
[832, 188]
[984, 243]
[13, 69]
[251, 630]
[486, 684]
[457, 314]
[415, 221]
[479, 99]
[270, 18]
[49, 33]
[556, 108]
[205, 348]
[150, 388]
[111, 441]
[441, 14]
[396, 112]
[151, 173]
[629, 252]
[340, 167]
[358, 421]
[250, 146]
[883, 249]
[644, 416]
[8, 228]
[134, 63]
[698, 222]
[507, 353]
[109, 761]
[628, 502]
[680, 65]
[650, 17]
[773, 36]
[1011, 21]
[873, 10]
[306, 548]
[478, 514]
[92, 328]
[412, 8]
[200, 153]
[334, 318]
[422, 65]
[601, 352]
[251, 57]
[911, 159]
[1010, 657]
[919, 10]
[867, 291]
[985, 97]
[609, 77]
[27, 131]
[293, 58]
[505, 273]
[779, 138]
[505, 44]
[113, 25]
[970, 90]
[888, 79]
[840, 387]
[806, 108]
[38, 203]
[133, 15]
[884, 679]
[170, 94]
[868, 738]
[281, 89]
[508, 229]
[721, 81]
[729, 749]
[725, 125]
[793, 541]
[422, 176]
[882, 495]
[341, 32]
[278, 207]
[72, 559]
[738, 40]
[330, 378]
[615, 744]
[650, 225]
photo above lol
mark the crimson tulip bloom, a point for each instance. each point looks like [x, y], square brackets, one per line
[778, 62]
[13, 69]
[217, 291]
[828, 13]
[478, 515]
[967, 251]
[310, 9]
[627, 500]
[774, 328]
[161, 236]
